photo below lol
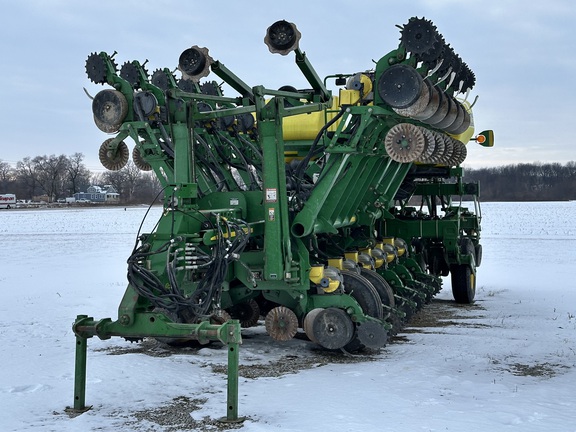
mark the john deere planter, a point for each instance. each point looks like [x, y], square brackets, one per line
[295, 205]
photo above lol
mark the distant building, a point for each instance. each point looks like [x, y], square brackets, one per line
[99, 194]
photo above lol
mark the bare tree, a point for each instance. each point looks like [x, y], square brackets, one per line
[51, 172]
[125, 181]
[78, 176]
[7, 176]
[27, 177]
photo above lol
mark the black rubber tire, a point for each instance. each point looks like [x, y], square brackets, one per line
[364, 293]
[478, 251]
[382, 287]
[463, 283]
[367, 297]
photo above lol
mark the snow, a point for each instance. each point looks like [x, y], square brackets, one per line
[506, 363]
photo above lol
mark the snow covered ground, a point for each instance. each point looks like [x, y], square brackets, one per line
[506, 363]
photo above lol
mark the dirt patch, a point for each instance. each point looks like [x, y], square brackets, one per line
[152, 348]
[290, 364]
[546, 370]
[175, 416]
[444, 313]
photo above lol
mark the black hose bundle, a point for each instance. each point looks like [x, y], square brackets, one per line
[231, 240]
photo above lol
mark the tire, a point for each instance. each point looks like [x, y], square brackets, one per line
[386, 297]
[478, 251]
[364, 293]
[463, 284]
[382, 288]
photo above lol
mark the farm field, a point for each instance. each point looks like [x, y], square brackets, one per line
[506, 363]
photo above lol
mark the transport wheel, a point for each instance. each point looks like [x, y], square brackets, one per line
[247, 313]
[332, 328]
[281, 323]
[463, 283]
[478, 252]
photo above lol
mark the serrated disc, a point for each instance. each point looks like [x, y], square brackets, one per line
[419, 36]
[281, 323]
[140, 163]
[404, 142]
[247, 312]
[130, 73]
[160, 79]
[113, 160]
[448, 150]
[460, 152]
[436, 155]
[96, 68]
[429, 145]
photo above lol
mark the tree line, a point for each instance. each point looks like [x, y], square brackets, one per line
[526, 182]
[62, 176]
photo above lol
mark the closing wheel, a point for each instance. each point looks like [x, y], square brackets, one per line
[463, 283]
[371, 334]
[247, 313]
[332, 328]
[281, 323]
[113, 159]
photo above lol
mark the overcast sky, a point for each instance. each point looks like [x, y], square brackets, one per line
[523, 54]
